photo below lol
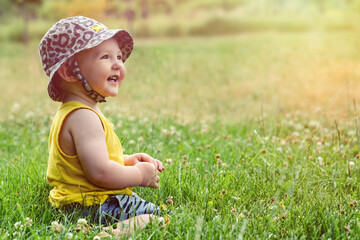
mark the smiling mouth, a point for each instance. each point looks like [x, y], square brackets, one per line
[113, 79]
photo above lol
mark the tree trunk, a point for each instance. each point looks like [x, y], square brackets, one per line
[25, 16]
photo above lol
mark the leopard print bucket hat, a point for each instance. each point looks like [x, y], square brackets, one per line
[72, 35]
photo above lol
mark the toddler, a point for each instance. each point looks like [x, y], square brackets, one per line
[86, 168]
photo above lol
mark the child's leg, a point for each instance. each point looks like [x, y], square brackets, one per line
[129, 225]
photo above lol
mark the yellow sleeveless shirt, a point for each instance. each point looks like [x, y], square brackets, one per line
[65, 173]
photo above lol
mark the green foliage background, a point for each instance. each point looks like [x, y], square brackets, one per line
[174, 18]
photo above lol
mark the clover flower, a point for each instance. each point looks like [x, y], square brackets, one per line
[57, 227]
[161, 220]
[17, 225]
[164, 131]
[28, 222]
[351, 166]
[69, 235]
[170, 200]
[82, 221]
[82, 225]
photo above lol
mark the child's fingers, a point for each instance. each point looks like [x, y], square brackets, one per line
[147, 158]
[159, 165]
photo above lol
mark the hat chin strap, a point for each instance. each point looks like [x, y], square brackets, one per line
[89, 90]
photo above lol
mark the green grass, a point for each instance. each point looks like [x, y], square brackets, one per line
[286, 178]
[256, 132]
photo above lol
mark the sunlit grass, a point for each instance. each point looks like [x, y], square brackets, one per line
[224, 78]
[291, 177]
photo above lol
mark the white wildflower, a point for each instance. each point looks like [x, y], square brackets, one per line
[57, 227]
[161, 220]
[15, 107]
[351, 165]
[296, 134]
[298, 126]
[82, 221]
[28, 222]
[69, 235]
[313, 124]
[125, 132]
[54, 223]
[351, 133]
[29, 114]
[131, 118]
[17, 225]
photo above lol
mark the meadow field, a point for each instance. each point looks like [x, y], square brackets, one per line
[258, 132]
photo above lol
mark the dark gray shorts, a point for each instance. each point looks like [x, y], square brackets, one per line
[122, 207]
[114, 209]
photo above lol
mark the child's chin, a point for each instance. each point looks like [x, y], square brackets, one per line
[113, 94]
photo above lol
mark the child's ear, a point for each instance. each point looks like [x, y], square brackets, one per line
[66, 73]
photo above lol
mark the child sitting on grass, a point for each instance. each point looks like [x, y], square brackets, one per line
[86, 167]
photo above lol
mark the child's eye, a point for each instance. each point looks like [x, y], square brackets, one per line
[119, 57]
[105, 57]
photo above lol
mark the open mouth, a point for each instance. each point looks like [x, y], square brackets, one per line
[113, 78]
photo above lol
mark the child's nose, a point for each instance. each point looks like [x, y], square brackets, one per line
[117, 64]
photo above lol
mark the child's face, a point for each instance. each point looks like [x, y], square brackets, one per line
[102, 67]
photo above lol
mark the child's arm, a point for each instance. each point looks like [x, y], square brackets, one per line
[89, 140]
[131, 160]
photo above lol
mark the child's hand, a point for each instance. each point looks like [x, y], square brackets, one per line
[131, 160]
[150, 175]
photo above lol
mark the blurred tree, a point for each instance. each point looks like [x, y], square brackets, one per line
[111, 9]
[5, 6]
[27, 10]
[161, 6]
[56, 9]
[145, 10]
[130, 9]
[130, 18]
